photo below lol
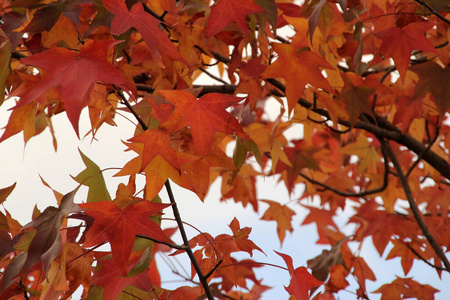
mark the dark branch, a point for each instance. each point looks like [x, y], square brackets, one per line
[176, 214]
[171, 245]
[416, 162]
[433, 11]
[188, 249]
[412, 204]
[423, 259]
[360, 194]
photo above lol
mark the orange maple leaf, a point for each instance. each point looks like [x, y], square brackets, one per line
[146, 24]
[301, 280]
[282, 214]
[398, 43]
[227, 11]
[156, 142]
[75, 73]
[120, 226]
[298, 68]
[204, 116]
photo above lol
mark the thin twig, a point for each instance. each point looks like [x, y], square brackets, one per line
[360, 194]
[214, 268]
[419, 158]
[423, 259]
[213, 76]
[412, 204]
[171, 245]
[433, 11]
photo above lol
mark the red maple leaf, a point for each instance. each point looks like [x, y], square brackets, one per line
[398, 43]
[109, 277]
[146, 24]
[204, 116]
[227, 11]
[301, 280]
[76, 74]
[119, 227]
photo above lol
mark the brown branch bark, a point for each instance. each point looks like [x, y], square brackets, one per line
[412, 204]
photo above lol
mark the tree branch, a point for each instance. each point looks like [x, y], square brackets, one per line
[176, 213]
[360, 194]
[194, 261]
[433, 11]
[416, 162]
[423, 259]
[171, 245]
[412, 204]
[206, 89]
[379, 127]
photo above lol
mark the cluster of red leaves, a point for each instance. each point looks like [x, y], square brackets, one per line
[367, 80]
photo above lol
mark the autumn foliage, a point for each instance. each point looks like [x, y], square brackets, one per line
[363, 84]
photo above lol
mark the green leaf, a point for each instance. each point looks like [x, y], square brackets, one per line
[93, 178]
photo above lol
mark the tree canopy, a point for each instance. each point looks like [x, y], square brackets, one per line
[361, 125]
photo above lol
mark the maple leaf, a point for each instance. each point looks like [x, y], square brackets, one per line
[321, 264]
[298, 68]
[45, 245]
[109, 277]
[433, 79]
[146, 24]
[241, 237]
[323, 219]
[227, 11]
[301, 280]
[402, 250]
[356, 93]
[280, 213]
[4, 192]
[45, 18]
[119, 226]
[204, 116]
[398, 43]
[156, 142]
[93, 178]
[78, 268]
[75, 73]
[402, 288]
